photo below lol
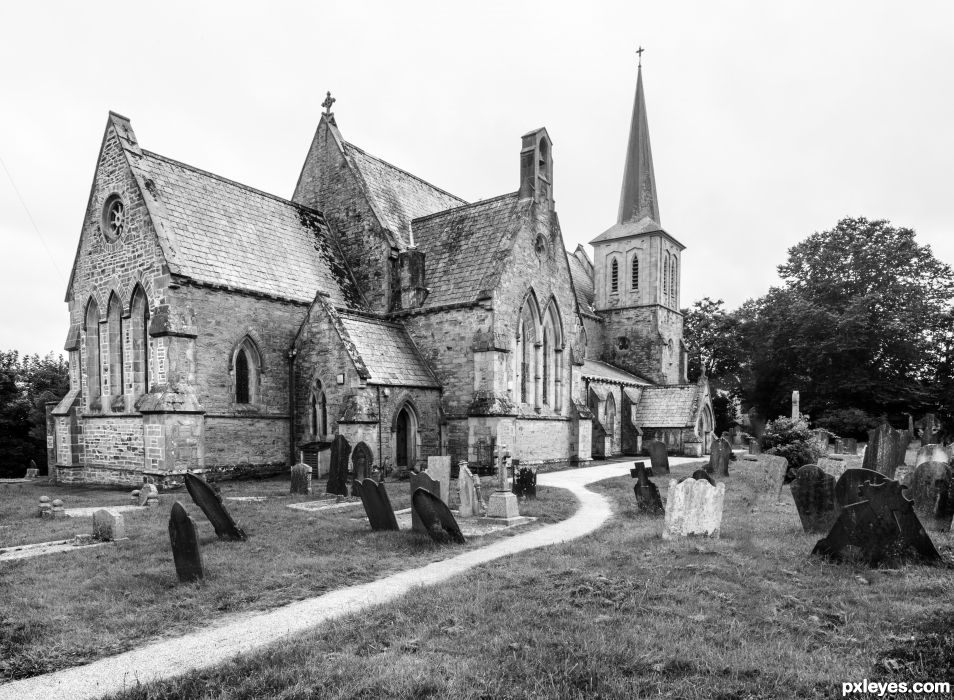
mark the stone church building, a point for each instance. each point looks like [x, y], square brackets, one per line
[218, 328]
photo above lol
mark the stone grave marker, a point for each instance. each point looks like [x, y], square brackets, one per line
[719, 456]
[301, 479]
[422, 481]
[58, 511]
[185, 545]
[46, 508]
[469, 496]
[658, 457]
[377, 505]
[211, 504]
[697, 474]
[929, 489]
[440, 470]
[848, 486]
[833, 464]
[885, 446]
[814, 494]
[32, 473]
[929, 433]
[882, 525]
[846, 446]
[148, 493]
[764, 474]
[821, 438]
[932, 453]
[435, 518]
[134, 496]
[338, 470]
[693, 507]
[108, 526]
[525, 483]
[647, 493]
[754, 447]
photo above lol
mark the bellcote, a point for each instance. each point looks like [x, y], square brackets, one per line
[536, 167]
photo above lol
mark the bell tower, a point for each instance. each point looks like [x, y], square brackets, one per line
[637, 265]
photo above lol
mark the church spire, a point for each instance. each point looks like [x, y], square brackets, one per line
[638, 198]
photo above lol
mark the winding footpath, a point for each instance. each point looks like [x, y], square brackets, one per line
[223, 641]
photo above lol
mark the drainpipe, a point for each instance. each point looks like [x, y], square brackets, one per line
[292, 438]
[380, 418]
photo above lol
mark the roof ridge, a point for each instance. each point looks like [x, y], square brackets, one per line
[232, 182]
[371, 318]
[442, 212]
[402, 170]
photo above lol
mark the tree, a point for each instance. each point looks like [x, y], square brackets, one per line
[712, 336]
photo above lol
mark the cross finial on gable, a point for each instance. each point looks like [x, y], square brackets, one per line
[639, 52]
[329, 100]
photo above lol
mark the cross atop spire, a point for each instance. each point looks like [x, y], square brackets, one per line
[638, 198]
[329, 100]
[639, 52]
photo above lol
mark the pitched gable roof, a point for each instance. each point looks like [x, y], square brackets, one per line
[595, 369]
[233, 235]
[674, 406]
[463, 246]
[398, 196]
[582, 283]
[387, 352]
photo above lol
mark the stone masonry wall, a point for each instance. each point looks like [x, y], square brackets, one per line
[651, 342]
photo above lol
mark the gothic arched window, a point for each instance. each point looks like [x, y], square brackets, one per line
[665, 284]
[672, 281]
[614, 276]
[634, 275]
[94, 387]
[114, 325]
[139, 330]
[319, 411]
[246, 368]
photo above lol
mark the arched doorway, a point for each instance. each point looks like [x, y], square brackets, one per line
[361, 460]
[405, 437]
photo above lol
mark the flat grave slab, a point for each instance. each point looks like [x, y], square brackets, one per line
[27, 551]
[88, 512]
[324, 504]
[253, 499]
[469, 527]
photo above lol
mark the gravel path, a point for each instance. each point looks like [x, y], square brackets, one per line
[221, 642]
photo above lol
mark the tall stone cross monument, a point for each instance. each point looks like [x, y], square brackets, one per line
[502, 502]
[796, 411]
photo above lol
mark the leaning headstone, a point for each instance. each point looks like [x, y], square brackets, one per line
[435, 518]
[525, 483]
[211, 504]
[884, 449]
[422, 481]
[338, 471]
[754, 447]
[694, 507]
[108, 526]
[148, 493]
[58, 510]
[46, 508]
[377, 505]
[720, 454]
[932, 453]
[647, 493]
[814, 494]
[658, 457]
[469, 500]
[929, 489]
[301, 479]
[185, 545]
[833, 464]
[440, 470]
[848, 486]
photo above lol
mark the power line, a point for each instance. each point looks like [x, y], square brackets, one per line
[32, 221]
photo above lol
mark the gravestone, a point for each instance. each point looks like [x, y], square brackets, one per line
[32, 473]
[422, 481]
[361, 462]
[185, 545]
[932, 453]
[658, 457]
[763, 473]
[693, 507]
[814, 494]
[929, 489]
[301, 479]
[469, 497]
[698, 474]
[502, 503]
[46, 508]
[134, 495]
[211, 504]
[148, 493]
[338, 469]
[884, 449]
[647, 493]
[108, 526]
[929, 433]
[58, 511]
[848, 486]
[754, 447]
[821, 438]
[377, 505]
[719, 456]
[882, 525]
[849, 446]
[796, 411]
[525, 483]
[440, 470]
[833, 464]
[435, 518]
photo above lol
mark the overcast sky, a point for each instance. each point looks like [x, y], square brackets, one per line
[769, 120]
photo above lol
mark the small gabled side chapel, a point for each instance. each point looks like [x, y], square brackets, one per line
[220, 329]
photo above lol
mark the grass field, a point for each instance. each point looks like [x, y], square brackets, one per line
[625, 614]
[65, 609]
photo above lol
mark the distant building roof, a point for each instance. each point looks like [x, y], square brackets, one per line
[596, 369]
[387, 352]
[674, 406]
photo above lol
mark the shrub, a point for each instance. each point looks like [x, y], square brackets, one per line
[848, 422]
[791, 439]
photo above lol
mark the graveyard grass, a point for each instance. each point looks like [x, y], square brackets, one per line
[66, 609]
[621, 614]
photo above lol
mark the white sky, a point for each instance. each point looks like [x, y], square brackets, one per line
[769, 120]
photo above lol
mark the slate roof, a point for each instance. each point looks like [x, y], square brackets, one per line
[387, 352]
[398, 195]
[230, 234]
[672, 406]
[582, 283]
[595, 369]
[463, 247]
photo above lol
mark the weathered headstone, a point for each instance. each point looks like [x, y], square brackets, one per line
[148, 493]
[929, 489]
[108, 526]
[849, 446]
[210, 503]
[185, 545]
[58, 510]
[658, 457]
[882, 525]
[848, 486]
[648, 499]
[338, 470]
[720, 454]
[502, 502]
[833, 464]
[435, 517]
[885, 450]
[46, 508]
[377, 505]
[301, 479]
[763, 473]
[440, 470]
[929, 433]
[525, 483]
[422, 481]
[932, 453]
[821, 438]
[698, 474]
[693, 507]
[754, 447]
[32, 473]
[796, 411]
[814, 494]
[469, 497]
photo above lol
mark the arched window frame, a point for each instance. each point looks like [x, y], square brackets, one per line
[614, 276]
[248, 351]
[114, 345]
[611, 415]
[552, 357]
[139, 332]
[94, 383]
[319, 411]
[674, 282]
[665, 284]
[634, 273]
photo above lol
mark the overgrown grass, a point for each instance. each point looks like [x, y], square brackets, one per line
[65, 609]
[624, 614]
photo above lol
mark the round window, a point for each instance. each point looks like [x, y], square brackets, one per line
[114, 217]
